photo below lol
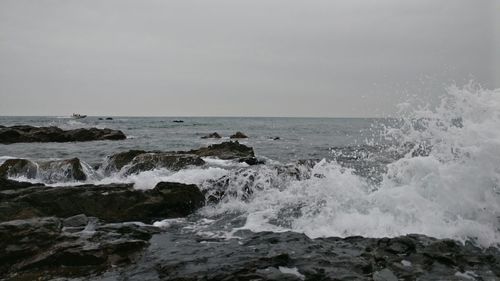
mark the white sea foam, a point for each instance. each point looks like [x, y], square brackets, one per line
[451, 191]
[148, 179]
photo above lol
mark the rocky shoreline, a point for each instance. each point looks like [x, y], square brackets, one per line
[105, 232]
[24, 133]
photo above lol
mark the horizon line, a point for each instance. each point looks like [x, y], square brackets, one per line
[208, 116]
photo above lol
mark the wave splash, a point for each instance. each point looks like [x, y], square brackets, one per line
[447, 185]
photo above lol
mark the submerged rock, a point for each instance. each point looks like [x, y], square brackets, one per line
[112, 203]
[41, 248]
[24, 133]
[48, 171]
[214, 135]
[238, 135]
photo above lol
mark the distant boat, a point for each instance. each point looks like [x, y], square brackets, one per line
[78, 116]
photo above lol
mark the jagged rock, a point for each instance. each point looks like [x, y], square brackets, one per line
[41, 248]
[112, 203]
[48, 171]
[227, 151]
[117, 161]
[238, 135]
[24, 133]
[155, 160]
[136, 161]
[212, 136]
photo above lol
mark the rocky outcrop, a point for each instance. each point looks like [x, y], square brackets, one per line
[16, 134]
[294, 256]
[167, 160]
[238, 135]
[44, 248]
[117, 161]
[227, 151]
[214, 135]
[111, 203]
[136, 161]
[46, 171]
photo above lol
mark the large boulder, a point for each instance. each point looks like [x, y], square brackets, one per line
[46, 171]
[18, 167]
[41, 248]
[112, 203]
[24, 133]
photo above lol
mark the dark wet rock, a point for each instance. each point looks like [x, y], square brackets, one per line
[117, 161]
[76, 221]
[109, 118]
[48, 171]
[136, 161]
[156, 160]
[41, 249]
[18, 167]
[23, 133]
[112, 203]
[238, 135]
[8, 184]
[173, 255]
[275, 138]
[100, 118]
[178, 121]
[214, 135]
[231, 150]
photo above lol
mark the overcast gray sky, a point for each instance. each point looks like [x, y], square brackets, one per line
[240, 58]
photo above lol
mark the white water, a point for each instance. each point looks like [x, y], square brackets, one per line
[454, 192]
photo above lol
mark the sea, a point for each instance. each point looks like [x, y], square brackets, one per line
[431, 170]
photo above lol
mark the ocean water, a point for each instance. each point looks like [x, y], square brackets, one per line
[431, 170]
